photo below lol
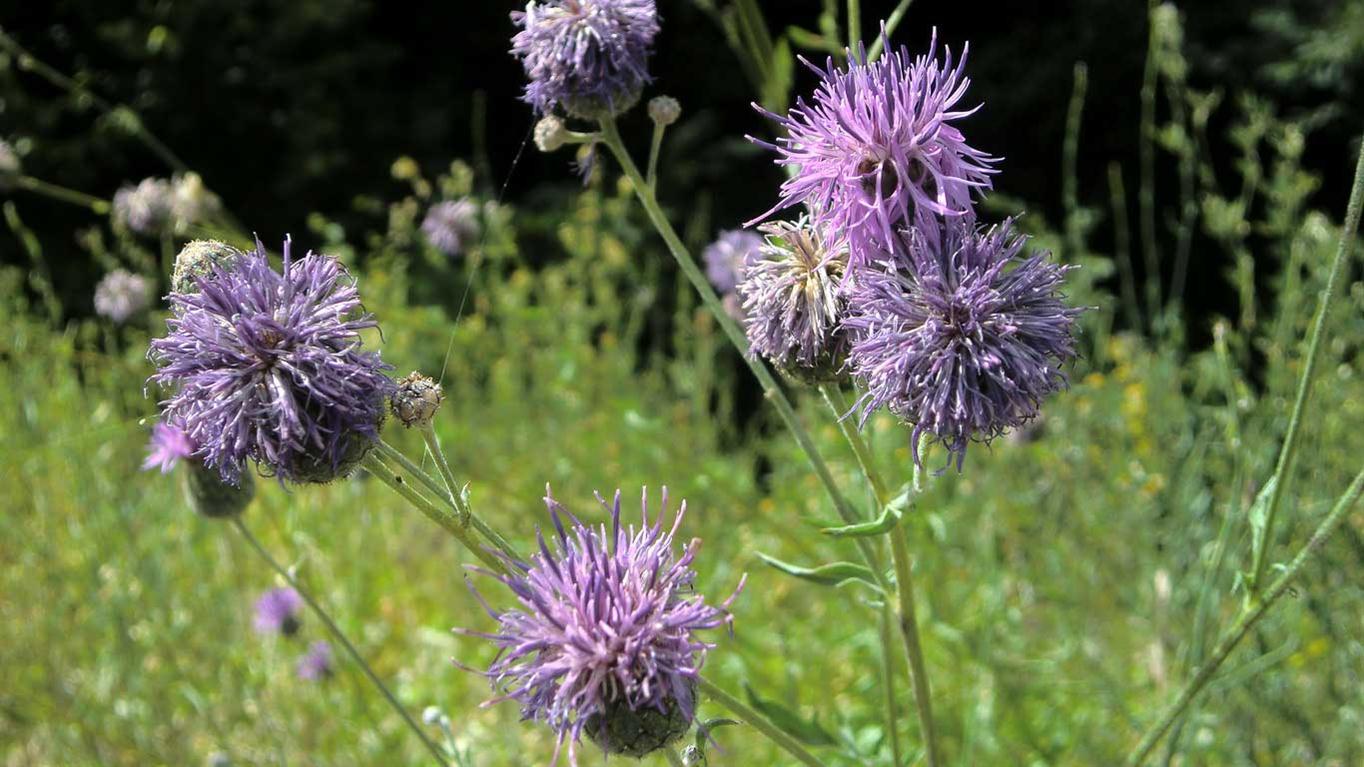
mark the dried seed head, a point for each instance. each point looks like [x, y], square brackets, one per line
[550, 134]
[664, 110]
[417, 399]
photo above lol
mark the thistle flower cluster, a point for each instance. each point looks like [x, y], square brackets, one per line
[945, 322]
[452, 225]
[586, 57]
[122, 295]
[268, 366]
[156, 206]
[603, 641]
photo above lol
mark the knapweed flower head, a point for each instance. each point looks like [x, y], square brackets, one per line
[604, 638]
[876, 149]
[122, 295]
[587, 57]
[168, 446]
[416, 400]
[197, 260]
[268, 366]
[277, 612]
[316, 664]
[452, 225]
[145, 208]
[728, 256]
[793, 298]
[959, 333]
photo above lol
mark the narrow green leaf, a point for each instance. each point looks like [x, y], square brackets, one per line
[808, 731]
[879, 526]
[834, 574]
[1259, 513]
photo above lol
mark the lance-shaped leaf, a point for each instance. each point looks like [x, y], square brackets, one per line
[808, 731]
[833, 574]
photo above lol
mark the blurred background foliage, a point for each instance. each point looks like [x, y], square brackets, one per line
[1071, 577]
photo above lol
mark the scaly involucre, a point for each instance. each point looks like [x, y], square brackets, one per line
[960, 334]
[876, 150]
[588, 57]
[267, 366]
[793, 296]
[606, 616]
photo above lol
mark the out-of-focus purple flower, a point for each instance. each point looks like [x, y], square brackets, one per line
[145, 208]
[121, 295]
[793, 300]
[726, 258]
[588, 57]
[452, 225]
[960, 334]
[268, 366]
[316, 664]
[605, 632]
[877, 148]
[277, 611]
[168, 446]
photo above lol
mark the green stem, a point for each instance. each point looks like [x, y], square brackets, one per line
[456, 497]
[674, 759]
[771, 390]
[1070, 195]
[1290, 445]
[655, 148]
[341, 637]
[904, 583]
[892, 22]
[1251, 616]
[1146, 194]
[758, 722]
[61, 193]
[854, 24]
[1122, 239]
[888, 683]
[440, 516]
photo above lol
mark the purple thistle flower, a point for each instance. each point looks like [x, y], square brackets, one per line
[728, 256]
[604, 630]
[168, 446]
[960, 334]
[121, 295]
[794, 299]
[267, 366]
[588, 57]
[277, 611]
[145, 208]
[316, 664]
[452, 225]
[876, 150]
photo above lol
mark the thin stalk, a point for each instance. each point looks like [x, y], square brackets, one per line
[904, 582]
[1290, 443]
[892, 22]
[61, 194]
[758, 722]
[888, 684]
[375, 466]
[1147, 193]
[771, 390]
[456, 497]
[1070, 194]
[854, 24]
[30, 63]
[1251, 616]
[655, 148]
[1122, 237]
[341, 637]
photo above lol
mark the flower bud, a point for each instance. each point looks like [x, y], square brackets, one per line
[664, 110]
[210, 496]
[550, 134]
[197, 259]
[416, 400]
[431, 716]
[693, 757]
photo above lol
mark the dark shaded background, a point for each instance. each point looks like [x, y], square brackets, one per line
[288, 108]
